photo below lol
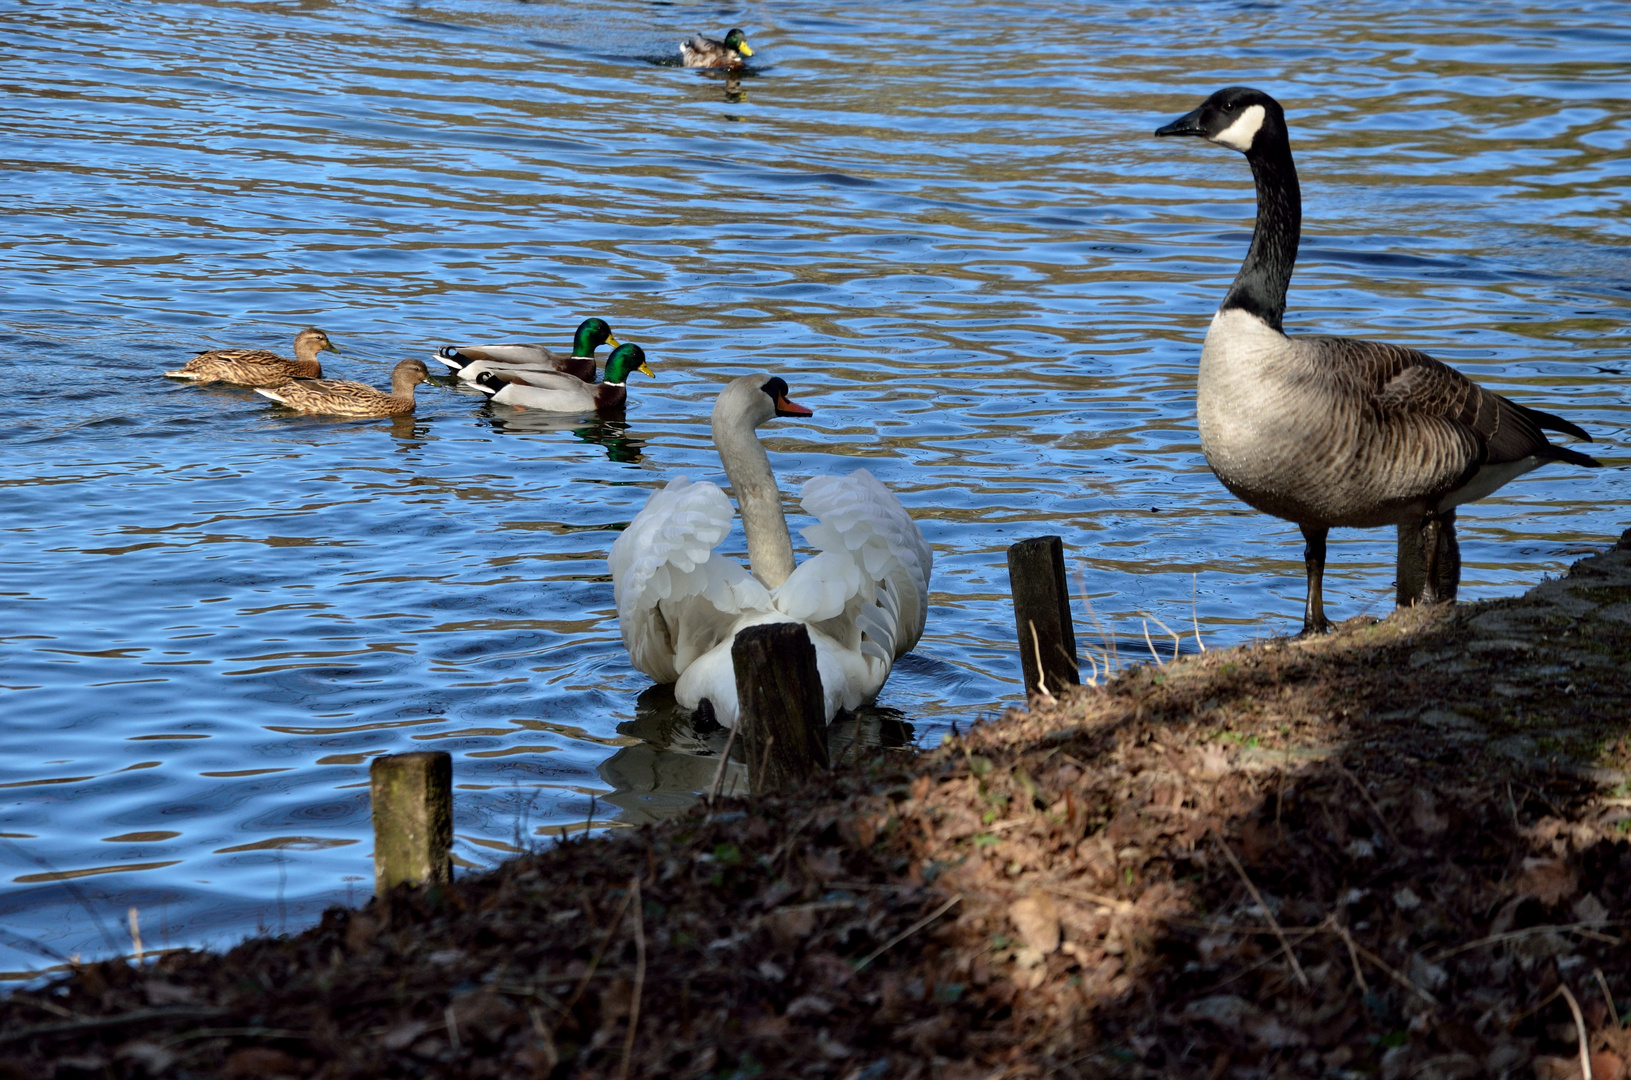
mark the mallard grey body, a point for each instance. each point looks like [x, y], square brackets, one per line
[333, 397]
[554, 391]
[706, 52]
[1334, 431]
[259, 367]
[470, 361]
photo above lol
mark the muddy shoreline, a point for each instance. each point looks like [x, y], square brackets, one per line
[1398, 851]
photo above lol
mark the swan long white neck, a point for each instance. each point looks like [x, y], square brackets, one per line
[770, 546]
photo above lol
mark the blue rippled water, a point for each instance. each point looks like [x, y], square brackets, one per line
[945, 223]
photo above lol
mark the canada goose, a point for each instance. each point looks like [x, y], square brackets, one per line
[331, 397]
[706, 52]
[469, 361]
[680, 604]
[1334, 431]
[259, 367]
[556, 391]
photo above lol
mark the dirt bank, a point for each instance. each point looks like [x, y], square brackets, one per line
[1398, 851]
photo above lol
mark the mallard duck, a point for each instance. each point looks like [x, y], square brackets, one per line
[471, 360]
[331, 397]
[556, 391]
[705, 52]
[259, 367]
[680, 604]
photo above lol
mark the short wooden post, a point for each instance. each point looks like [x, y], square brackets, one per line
[781, 716]
[413, 819]
[1047, 638]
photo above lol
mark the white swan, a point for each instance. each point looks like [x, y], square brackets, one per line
[863, 596]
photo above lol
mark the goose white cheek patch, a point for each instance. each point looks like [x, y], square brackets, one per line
[1240, 134]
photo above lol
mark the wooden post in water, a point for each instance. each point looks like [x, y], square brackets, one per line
[781, 718]
[1047, 638]
[412, 796]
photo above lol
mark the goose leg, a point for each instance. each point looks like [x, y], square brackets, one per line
[1429, 564]
[1443, 559]
[1410, 575]
[1314, 621]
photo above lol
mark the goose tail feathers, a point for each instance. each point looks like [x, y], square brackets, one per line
[1548, 422]
[1573, 457]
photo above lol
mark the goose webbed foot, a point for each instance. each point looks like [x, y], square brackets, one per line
[1314, 620]
[1429, 561]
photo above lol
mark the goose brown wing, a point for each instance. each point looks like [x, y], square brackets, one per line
[1401, 380]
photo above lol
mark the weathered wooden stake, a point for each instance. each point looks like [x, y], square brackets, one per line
[781, 717]
[413, 819]
[1047, 638]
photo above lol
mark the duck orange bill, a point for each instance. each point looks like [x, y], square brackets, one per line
[785, 406]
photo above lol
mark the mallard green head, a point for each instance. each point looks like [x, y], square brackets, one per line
[592, 334]
[738, 41]
[626, 359]
[318, 340]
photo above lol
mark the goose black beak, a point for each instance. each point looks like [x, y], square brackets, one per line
[1187, 124]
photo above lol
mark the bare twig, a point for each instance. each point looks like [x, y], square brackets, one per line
[1381, 818]
[639, 976]
[908, 932]
[1353, 953]
[1111, 902]
[136, 933]
[1194, 611]
[1113, 660]
[606, 939]
[66, 884]
[1177, 642]
[724, 762]
[1514, 935]
[1041, 680]
[95, 1023]
[1395, 974]
[1275, 923]
[1602, 984]
[590, 821]
[1579, 1031]
[450, 1020]
[1158, 661]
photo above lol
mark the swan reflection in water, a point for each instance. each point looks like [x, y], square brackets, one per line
[675, 760]
[611, 432]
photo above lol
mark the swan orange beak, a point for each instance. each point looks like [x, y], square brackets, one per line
[786, 406]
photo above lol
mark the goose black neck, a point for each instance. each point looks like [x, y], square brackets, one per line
[1260, 287]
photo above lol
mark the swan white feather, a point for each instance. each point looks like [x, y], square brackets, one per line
[863, 596]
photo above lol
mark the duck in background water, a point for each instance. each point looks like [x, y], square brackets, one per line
[706, 52]
[1336, 431]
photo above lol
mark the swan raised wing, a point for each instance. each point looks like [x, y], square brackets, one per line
[677, 598]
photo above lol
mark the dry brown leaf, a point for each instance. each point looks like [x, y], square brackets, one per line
[1036, 917]
[1547, 880]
